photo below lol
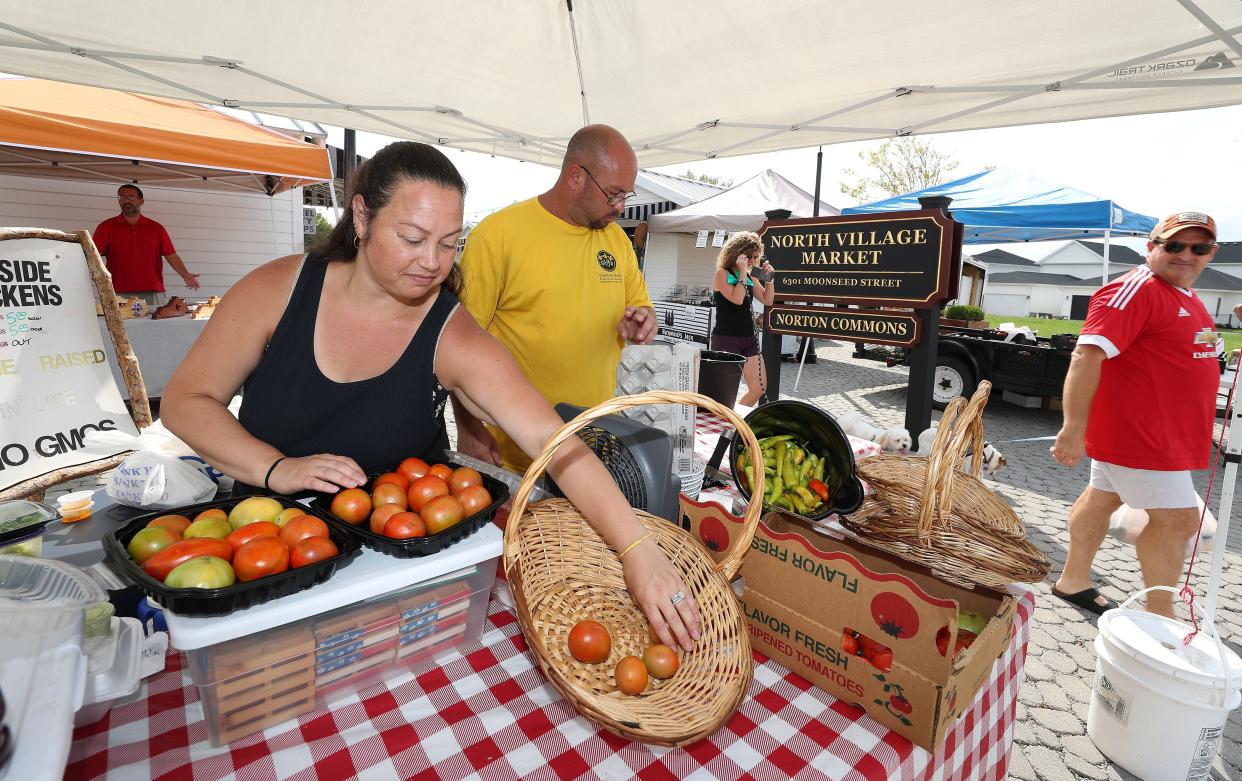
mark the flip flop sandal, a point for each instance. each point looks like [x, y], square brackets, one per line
[1086, 600]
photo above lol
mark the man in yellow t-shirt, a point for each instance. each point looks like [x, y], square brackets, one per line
[557, 282]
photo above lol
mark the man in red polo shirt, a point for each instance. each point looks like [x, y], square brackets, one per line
[1140, 399]
[135, 247]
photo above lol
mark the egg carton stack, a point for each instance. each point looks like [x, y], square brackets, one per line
[664, 366]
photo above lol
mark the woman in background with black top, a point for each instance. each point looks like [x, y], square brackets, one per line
[735, 287]
[347, 355]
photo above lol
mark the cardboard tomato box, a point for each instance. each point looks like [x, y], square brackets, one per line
[814, 602]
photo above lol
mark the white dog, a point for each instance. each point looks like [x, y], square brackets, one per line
[993, 459]
[890, 440]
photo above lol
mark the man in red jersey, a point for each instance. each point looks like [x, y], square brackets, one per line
[135, 247]
[1140, 399]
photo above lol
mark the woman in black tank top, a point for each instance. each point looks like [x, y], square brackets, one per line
[346, 358]
[735, 287]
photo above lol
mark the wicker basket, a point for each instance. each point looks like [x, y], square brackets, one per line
[561, 571]
[926, 510]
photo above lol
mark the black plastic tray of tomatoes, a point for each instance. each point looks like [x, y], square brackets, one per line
[416, 546]
[221, 601]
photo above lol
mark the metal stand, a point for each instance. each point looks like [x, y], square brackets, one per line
[1233, 455]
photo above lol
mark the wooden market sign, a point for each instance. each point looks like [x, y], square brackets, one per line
[906, 259]
[820, 322]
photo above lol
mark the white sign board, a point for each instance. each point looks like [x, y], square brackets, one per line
[701, 241]
[684, 322]
[55, 382]
[308, 220]
[718, 238]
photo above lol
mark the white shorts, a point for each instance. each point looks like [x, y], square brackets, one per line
[1145, 489]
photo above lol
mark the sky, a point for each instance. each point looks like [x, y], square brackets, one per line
[1153, 164]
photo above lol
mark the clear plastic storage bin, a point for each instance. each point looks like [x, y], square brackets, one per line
[261, 680]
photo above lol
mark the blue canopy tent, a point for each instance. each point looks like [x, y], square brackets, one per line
[1001, 205]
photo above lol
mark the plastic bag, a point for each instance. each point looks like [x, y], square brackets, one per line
[1127, 523]
[152, 478]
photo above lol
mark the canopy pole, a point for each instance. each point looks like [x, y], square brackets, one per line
[573, 34]
[1107, 233]
[819, 174]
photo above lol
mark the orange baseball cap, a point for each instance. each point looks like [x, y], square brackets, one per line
[1181, 220]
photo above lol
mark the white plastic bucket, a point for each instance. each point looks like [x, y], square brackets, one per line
[1158, 707]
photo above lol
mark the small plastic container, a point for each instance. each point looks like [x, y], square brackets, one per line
[116, 681]
[22, 524]
[76, 506]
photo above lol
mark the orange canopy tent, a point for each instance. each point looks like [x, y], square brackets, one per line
[69, 131]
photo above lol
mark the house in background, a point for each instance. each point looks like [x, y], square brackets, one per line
[1061, 284]
[998, 261]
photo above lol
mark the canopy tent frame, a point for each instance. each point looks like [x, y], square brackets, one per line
[512, 142]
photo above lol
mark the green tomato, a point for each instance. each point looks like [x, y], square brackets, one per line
[201, 572]
[149, 542]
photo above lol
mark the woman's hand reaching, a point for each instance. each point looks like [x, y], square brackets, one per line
[659, 590]
[323, 472]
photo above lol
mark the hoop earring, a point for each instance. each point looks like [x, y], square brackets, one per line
[355, 241]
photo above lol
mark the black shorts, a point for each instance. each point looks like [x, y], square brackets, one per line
[745, 346]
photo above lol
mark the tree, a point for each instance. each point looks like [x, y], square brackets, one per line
[322, 227]
[899, 165]
[706, 179]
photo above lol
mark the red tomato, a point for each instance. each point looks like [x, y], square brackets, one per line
[441, 513]
[442, 471]
[661, 661]
[474, 499]
[311, 550]
[849, 643]
[463, 478]
[176, 523]
[589, 642]
[352, 505]
[381, 515]
[631, 675]
[212, 512]
[302, 527]
[261, 556]
[166, 560]
[412, 469]
[883, 661]
[402, 526]
[424, 489]
[245, 534]
[396, 478]
[389, 493]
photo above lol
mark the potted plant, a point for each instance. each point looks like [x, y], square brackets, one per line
[964, 316]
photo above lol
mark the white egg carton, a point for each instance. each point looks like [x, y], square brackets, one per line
[663, 366]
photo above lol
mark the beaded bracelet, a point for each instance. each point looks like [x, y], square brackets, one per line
[634, 545]
[271, 469]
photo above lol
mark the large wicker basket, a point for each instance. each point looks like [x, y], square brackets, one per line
[561, 572]
[926, 510]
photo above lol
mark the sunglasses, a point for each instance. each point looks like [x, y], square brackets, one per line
[1177, 246]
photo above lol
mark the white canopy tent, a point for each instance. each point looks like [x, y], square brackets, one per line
[517, 77]
[741, 208]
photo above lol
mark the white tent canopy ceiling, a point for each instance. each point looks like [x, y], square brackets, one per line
[684, 80]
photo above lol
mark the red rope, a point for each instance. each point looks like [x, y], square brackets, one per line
[1187, 594]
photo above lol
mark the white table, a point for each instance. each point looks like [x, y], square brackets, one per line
[159, 345]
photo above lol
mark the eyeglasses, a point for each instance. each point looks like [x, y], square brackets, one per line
[613, 200]
[1177, 246]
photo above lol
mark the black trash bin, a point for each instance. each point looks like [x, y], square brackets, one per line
[720, 374]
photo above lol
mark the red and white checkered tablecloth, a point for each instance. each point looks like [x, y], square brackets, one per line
[491, 715]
